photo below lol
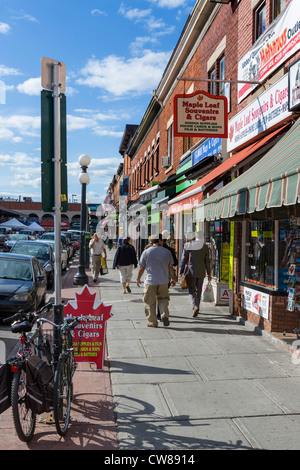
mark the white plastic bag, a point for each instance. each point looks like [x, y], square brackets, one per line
[208, 295]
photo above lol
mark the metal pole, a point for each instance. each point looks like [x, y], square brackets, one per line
[58, 314]
[81, 278]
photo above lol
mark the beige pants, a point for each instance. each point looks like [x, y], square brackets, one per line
[96, 266]
[153, 295]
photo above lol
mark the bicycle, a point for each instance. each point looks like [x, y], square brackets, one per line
[23, 417]
[63, 377]
[64, 370]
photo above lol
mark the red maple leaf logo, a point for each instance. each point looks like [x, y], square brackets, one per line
[89, 337]
[85, 305]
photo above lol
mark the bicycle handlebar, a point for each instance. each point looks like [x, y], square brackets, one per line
[32, 317]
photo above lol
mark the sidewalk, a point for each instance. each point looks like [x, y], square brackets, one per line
[93, 423]
[201, 383]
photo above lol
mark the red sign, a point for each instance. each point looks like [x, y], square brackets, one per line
[200, 115]
[88, 337]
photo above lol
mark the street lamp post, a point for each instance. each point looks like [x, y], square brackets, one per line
[80, 278]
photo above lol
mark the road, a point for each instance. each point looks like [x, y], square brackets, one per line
[8, 338]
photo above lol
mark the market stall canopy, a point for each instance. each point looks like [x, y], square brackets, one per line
[13, 223]
[36, 227]
[273, 183]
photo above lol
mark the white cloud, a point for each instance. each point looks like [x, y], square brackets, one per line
[4, 70]
[32, 86]
[4, 28]
[15, 127]
[170, 4]
[97, 12]
[145, 17]
[139, 74]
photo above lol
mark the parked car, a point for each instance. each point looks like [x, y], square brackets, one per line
[64, 254]
[4, 234]
[42, 251]
[23, 283]
[12, 239]
[31, 233]
[64, 240]
[71, 239]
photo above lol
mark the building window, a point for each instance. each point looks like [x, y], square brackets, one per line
[170, 143]
[278, 7]
[212, 85]
[260, 20]
[187, 144]
[222, 76]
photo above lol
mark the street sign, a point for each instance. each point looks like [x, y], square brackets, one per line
[47, 152]
[48, 74]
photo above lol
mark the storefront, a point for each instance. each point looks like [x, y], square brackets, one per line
[263, 203]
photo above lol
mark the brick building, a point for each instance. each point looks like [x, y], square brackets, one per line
[243, 190]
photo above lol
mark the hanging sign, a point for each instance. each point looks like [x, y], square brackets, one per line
[88, 337]
[200, 115]
[279, 42]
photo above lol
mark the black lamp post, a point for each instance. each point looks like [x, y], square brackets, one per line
[80, 278]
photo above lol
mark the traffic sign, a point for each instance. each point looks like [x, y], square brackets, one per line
[47, 75]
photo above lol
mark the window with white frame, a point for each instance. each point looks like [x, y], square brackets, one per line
[170, 131]
[260, 20]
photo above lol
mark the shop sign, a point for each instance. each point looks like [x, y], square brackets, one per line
[89, 337]
[262, 114]
[224, 294]
[294, 86]
[279, 42]
[208, 148]
[200, 115]
[256, 302]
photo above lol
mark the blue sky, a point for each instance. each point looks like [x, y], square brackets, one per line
[115, 53]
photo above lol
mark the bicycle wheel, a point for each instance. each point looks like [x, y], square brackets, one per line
[24, 419]
[62, 396]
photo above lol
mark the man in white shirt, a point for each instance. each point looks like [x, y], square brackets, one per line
[97, 247]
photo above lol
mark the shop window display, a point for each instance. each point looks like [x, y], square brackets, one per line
[260, 253]
[218, 241]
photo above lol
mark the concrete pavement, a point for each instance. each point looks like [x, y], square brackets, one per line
[201, 383]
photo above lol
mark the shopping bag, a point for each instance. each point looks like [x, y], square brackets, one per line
[185, 281]
[5, 387]
[104, 269]
[208, 295]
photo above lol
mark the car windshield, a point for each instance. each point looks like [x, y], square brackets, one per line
[15, 269]
[51, 237]
[39, 251]
[18, 236]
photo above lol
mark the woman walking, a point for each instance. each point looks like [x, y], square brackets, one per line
[124, 261]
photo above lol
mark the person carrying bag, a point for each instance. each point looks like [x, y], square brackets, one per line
[195, 262]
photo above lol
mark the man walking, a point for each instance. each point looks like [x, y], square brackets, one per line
[195, 259]
[158, 264]
[97, 247]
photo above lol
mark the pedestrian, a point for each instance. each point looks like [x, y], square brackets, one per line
[157, 262]
[195, 257]
[97, 248]
[124, 261]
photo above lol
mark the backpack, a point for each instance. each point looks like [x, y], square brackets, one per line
[39, 386]
[5, 387]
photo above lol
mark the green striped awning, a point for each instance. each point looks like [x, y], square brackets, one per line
[273, 182]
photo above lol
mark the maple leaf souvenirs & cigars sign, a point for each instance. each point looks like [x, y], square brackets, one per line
[200, 114]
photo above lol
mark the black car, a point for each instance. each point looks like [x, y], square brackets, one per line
[12, 239]
[23, 283]
[42, 251]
